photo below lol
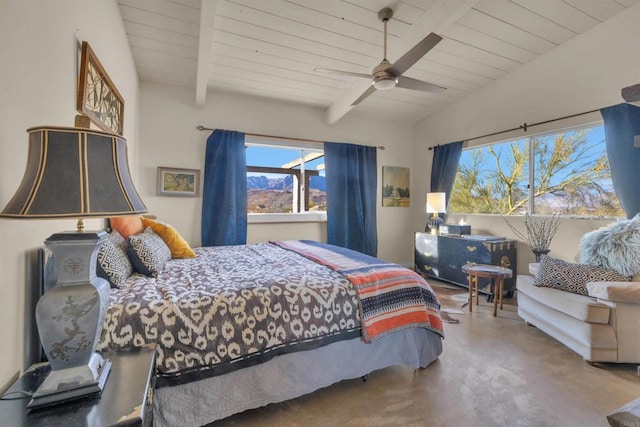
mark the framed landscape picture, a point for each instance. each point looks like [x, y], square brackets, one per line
[395, 187]
[178, 182]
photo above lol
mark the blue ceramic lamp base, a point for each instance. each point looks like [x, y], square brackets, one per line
[70, 316]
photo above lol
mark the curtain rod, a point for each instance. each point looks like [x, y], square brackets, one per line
[259, 135]
[525, 126]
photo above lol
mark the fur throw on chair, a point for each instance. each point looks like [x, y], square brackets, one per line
[616, 246]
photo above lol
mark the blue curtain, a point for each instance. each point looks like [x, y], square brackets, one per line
[352, 173]
[621, 126]
[444, 167]
[224, 196]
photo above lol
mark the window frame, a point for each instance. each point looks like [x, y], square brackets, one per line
[303, 215]
[531, 170]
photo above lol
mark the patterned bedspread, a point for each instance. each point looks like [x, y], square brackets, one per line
[236, 306]
[230, 307]
[391, 296]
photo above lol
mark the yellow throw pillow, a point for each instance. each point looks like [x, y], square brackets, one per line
[178, 246]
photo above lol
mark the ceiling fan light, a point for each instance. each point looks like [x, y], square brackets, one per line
[385, 83]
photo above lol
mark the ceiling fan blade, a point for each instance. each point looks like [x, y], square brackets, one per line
[344, 73]
[413, 84]
[414, 54]
[362, 97]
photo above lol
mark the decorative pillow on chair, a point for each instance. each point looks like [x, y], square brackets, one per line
[177, 245]
[113, 262]
[569, 277]
[127, 225]
[148, 252]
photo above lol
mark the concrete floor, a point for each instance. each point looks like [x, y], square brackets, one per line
[494, 371]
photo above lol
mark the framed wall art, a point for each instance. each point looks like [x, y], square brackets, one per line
[178, 182]
[395, 187]
[98, 97]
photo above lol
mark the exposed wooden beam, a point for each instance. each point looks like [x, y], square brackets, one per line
[441, 16]
[207, 17]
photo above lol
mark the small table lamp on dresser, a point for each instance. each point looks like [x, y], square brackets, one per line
[436, 204]
[74, 173]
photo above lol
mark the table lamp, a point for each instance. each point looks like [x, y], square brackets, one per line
[436, 203]
[74, 173]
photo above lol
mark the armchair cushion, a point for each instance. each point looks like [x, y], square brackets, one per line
[615, 291]
[579, 307]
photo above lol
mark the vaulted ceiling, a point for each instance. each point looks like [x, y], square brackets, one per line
[270, 48]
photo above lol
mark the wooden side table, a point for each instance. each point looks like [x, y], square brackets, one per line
[125, 400]
[493, 272]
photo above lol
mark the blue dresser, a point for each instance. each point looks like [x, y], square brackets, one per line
[442, 257]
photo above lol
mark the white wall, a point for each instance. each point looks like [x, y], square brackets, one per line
[168, 137]
[585, 73]
[39, 57]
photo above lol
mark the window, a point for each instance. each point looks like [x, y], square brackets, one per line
[569, 175]
[284, 179]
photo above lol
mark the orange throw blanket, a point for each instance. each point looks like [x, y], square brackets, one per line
[391, 297]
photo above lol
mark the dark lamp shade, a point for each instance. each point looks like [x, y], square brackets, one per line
[75, 173]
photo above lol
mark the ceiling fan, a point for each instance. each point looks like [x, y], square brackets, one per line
[387, 75]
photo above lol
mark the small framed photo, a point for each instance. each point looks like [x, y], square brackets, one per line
[178, 182]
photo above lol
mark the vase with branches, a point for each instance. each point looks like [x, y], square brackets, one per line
[540, 232]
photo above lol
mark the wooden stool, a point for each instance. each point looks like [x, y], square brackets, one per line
[493, 272]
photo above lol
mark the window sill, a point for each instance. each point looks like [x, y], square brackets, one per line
[580, 217]
[258, 218]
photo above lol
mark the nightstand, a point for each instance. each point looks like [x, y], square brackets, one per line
[126, 399]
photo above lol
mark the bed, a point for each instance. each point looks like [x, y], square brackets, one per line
[240, 327]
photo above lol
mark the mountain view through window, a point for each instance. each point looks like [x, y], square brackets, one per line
[285, 179]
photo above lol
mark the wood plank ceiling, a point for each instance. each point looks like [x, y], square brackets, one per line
[269, 48]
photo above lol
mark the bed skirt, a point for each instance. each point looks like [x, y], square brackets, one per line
[290, 375]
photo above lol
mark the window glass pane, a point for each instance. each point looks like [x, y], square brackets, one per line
[572, 175]
[270, 193]
[271, 156]
[492, 179]
[272, 189]
[317, 185]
